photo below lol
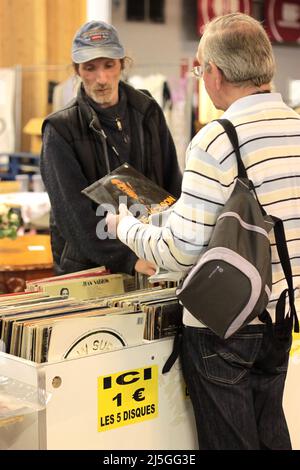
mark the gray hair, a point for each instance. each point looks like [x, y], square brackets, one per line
[239, 46]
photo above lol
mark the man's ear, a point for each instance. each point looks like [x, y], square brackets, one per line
[216, 74]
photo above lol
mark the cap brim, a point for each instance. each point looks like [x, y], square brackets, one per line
[88, 53]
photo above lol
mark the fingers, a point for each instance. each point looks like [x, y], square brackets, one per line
[123, 211]
[112, 223]
[145, 267]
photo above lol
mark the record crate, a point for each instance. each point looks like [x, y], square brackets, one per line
[111, 400]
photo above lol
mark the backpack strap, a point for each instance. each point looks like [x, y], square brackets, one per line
[232, 136]
[234, 140]
[287, 269]
[175, 352]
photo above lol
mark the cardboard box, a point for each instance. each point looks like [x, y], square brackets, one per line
[34, 129]
[9, 187]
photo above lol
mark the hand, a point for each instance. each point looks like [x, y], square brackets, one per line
[113, 220]
[145, 267]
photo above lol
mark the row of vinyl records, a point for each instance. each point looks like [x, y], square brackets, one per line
[41, 327]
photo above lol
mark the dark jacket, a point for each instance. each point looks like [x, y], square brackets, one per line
[74, 155]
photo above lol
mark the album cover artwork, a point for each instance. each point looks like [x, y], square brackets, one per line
[126, 185]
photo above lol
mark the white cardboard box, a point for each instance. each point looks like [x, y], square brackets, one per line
[95, 392]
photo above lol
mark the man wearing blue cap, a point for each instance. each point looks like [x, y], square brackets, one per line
[107, 124]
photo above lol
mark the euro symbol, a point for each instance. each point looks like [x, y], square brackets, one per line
[137, 396]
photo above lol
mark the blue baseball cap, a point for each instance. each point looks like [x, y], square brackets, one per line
[96, 39]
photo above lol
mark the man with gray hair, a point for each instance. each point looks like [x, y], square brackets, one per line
[236, 385]
[107, 124]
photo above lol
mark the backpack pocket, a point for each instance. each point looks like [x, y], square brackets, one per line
[221, 290]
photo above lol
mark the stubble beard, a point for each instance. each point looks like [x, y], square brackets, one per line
[101, 98]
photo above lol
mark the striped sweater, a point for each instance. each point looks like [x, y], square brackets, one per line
[269, 138]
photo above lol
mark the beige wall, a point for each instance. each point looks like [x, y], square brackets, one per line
[36, 34]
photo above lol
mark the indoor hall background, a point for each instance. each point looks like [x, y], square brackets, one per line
[36, 35]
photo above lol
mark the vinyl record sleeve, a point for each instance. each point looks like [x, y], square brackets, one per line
[126, 185]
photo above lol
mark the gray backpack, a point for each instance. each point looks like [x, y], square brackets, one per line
[231, 283]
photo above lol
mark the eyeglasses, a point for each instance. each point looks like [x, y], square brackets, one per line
[198, 71]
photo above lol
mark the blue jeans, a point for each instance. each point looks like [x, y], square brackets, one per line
[235, 390]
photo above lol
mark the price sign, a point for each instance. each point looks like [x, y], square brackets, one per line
[127, 397]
